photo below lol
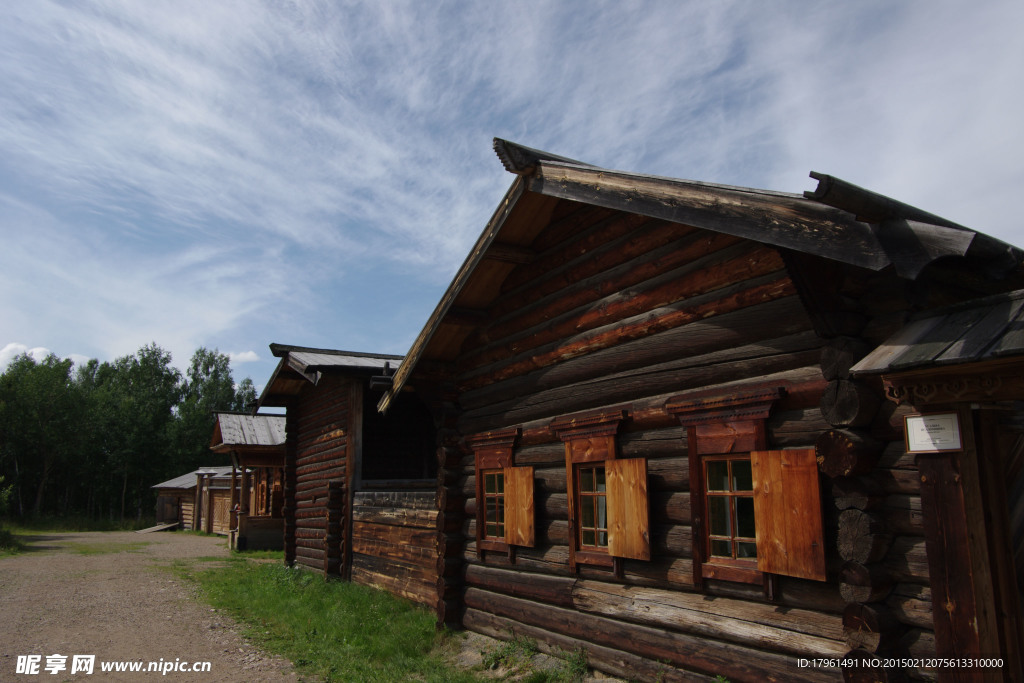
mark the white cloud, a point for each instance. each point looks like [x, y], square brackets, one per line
[14, 349]
[243, 357]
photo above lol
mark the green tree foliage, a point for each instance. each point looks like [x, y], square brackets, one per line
[95, 440]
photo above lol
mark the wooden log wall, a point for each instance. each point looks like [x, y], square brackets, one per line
[876, 496]
[649, 311]
[394, 542]
[316, 492]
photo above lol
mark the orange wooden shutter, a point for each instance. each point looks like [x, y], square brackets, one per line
[519, 506]
[628, 527]
[787, 511]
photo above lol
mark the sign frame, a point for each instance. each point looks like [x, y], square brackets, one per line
[933, 432]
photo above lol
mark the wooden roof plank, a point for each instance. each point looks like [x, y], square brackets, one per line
[971, 346]
[893, 348]
[947, 331]
[1012, 340]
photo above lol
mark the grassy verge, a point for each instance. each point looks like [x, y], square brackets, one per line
[73, 524]
[330, 630]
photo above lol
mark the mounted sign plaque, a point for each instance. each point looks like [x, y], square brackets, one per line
[933, 433]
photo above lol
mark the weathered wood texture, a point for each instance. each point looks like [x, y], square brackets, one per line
[319, 467]
[614, 310]
[395, 544]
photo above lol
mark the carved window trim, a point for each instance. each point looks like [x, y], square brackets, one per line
[590, 442]
[493, 455]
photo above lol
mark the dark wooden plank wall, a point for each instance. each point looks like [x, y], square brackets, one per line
[321, 448]
[394, 542]
[620, 311]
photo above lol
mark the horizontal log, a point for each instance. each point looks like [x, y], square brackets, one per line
[593, 304]
[799, 632]
[605, 659]
[552, 590]
[680, 650]
[907, 560]
[911, 604]
[403, 517]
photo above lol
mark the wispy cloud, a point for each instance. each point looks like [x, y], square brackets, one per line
[229, 174]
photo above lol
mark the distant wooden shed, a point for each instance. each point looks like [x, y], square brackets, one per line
[359, 486]
[256, 446]
[199, 500]
[652, 446]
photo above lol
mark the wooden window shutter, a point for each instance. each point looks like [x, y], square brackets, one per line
[628, 521]
[787, 507]
[519, 506]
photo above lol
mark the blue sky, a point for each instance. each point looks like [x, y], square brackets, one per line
[231, 174]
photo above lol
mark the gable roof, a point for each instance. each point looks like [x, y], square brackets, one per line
[302, 365]
[188, 481]
[837, 221]
[972, 332]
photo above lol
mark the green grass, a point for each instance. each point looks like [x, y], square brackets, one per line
[9, 543]
[53, 524]
[332, 630]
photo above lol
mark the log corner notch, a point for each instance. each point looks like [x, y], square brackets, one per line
[846, 452]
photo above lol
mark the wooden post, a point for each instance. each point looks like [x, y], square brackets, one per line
[954, 530]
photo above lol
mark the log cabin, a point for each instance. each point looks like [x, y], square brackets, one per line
[255, 444]
[359, 485]
[652, 444]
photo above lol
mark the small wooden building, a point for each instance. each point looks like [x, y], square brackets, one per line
[199, 500]
[359, 486]
[175, 500]
[256, 446]
[651, 445]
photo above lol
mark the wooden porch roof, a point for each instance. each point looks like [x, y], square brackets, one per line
[837, 221]
[234, 431]
[301, 365]
[980, 330]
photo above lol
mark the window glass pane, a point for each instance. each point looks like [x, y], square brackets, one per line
[586, 479]
[492, 512]
[492, 530]
[718, 512]
[588, 537]
[490, 483]
[587, 510]
[721, 548]
[500, 476]
[500, 504]
[599, 477]
[602, 539]
[742, 478]
[745, 516]
[602, 512]
[746, 549]
[718, 475]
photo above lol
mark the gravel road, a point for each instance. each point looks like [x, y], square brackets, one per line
[105, 594]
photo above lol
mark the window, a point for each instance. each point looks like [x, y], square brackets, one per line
[756, 512]
[504, 494]
[729, 499]
[608, 510]
[494, 504]
[592, 494]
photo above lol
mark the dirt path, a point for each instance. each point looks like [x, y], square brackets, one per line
[104, 594]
